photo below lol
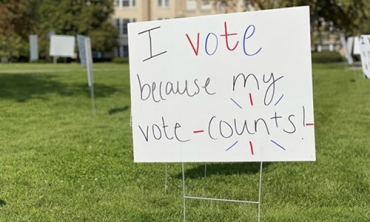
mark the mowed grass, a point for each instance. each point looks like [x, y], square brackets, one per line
[58, 162]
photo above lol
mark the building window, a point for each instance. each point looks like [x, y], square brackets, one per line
[117, 54]
[124, 26]
[122, 51]
[96, 55]
[116, 22]
[191, 4]
[125, 51]
[128, 3]
[205, 5]
[124, 23]
[163, 3]
[116, 3]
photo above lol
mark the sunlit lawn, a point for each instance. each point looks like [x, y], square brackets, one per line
[58, 162]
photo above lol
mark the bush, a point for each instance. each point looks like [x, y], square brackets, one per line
[326, 57]
[120, 60]
[51, 60]
[42, 60]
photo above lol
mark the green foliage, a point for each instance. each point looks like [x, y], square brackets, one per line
[60, 163]
[122, 60]
[13, 46]
[326, 57]
[17, 18]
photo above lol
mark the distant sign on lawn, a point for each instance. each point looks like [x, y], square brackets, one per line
[62, 45]
[34, 48]
[223, 88]
[364, 42]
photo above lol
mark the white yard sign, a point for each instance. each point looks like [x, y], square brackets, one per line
[62, 45]
[223, 88]
[364, 43]
[89, 66]
[88, 61]
[356, 46]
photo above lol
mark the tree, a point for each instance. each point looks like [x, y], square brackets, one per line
[20, 18]
[343, 16]
[72, 17]
[16, 23]
[13, 46]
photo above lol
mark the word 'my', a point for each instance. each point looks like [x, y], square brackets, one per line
[211, 49]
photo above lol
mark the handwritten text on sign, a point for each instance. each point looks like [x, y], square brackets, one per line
[223, 88]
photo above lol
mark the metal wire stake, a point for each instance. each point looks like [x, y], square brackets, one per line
[259, 194]
[183, 189]
[92, 100]
[165, 180]
[205, 178]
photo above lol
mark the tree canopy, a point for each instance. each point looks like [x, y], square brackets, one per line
[16, 23]
[16, 17]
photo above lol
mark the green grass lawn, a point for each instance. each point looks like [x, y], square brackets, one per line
[58, 162]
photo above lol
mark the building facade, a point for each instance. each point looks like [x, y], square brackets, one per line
[127, 11]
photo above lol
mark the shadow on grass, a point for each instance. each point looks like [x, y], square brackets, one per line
[223, 169]
[2, 203]
[22, 87]
[117, 110]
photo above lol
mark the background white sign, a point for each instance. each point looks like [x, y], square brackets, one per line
[364, 42]
[62, 45]
[34, 48]
[82, 49]
[347, 49]
[223, 88]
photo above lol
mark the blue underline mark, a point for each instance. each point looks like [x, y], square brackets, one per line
[232, 146]
[278, 144]
[236, 103]
[279, 100]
